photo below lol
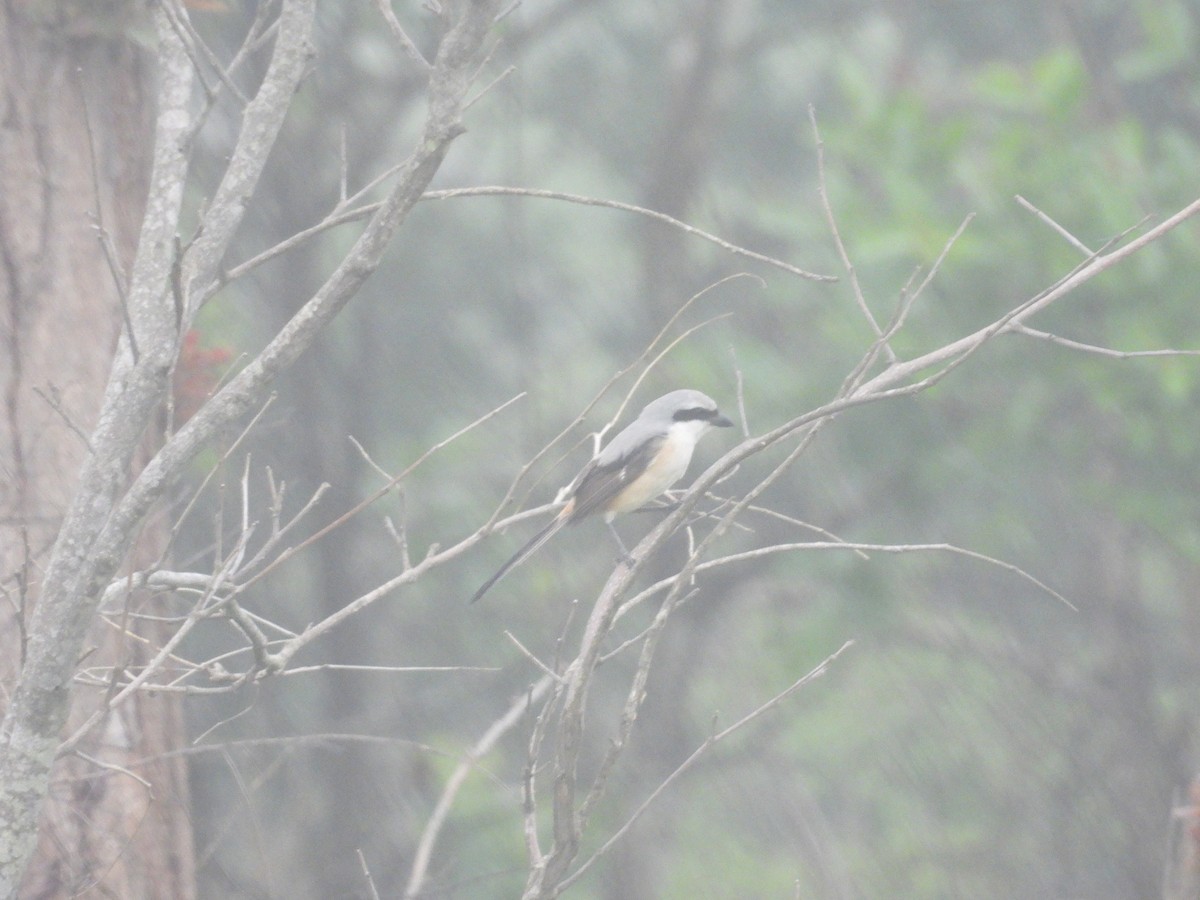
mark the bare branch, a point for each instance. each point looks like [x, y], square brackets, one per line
[386, 670]
[1060, 230]
[487, 88]
[342, 519]
[1010, 322]
[633, 703]
[199, 50]
[570, 718]
[700, 751]
[854, 546]
[1099, 351]
[545, 669]
[441, 810]
[831, 221]
[497, 191]
[261, 122]
[362, 860]
[207, 479]
[113, 767]
[54, 401]
[401, 36]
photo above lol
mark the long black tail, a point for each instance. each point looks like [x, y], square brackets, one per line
[535, 544]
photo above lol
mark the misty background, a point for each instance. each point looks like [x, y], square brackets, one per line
[980, 739]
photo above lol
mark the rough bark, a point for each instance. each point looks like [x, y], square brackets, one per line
[74, 146]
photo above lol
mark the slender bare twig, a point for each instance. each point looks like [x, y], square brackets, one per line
[102, 232]
[487, 88]
[351, 513]
[913, 295]
[808, 526]
[1059, 229]
[333, 220]
[199, 51]
[199, 612]
[280, 533]
[261, 122]
[500, 191]
[741, 393]
[401, 36]
[633, 703]
[54, 401]
[113, 767]
[1081, 275]
[711, 741]
[362, 861]
[1069, 344]
[853, 546]
[342, 216]
[441, 810]
[529, 655]
[507, 11]
[343, 165]
[838, 243]
[385, 670]
[362, 451]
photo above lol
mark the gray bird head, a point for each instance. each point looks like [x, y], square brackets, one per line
[684, 406]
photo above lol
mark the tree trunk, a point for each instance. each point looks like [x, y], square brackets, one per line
[74, 147]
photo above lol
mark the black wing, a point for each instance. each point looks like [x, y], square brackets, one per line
[601, 481]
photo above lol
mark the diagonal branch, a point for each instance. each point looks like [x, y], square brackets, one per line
[261, 122]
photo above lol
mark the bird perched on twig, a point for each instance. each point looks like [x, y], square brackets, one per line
[645, 459]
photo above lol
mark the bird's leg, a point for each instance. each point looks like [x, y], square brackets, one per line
[626, 556]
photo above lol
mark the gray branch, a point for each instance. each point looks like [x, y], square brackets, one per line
[261, 122]
[29, 733]
[100, 524]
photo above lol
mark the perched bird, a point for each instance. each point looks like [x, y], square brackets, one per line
[637, 465]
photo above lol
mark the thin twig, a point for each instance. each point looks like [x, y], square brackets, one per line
[1099, 351]
[54, 401]
[711, 741]
[362, 861]
[500, 191]
[633, 703]
[529, 655]
[488, 87]
[343, 165]
[113, 767]
[838, 244]
[858, 546]
[1062, 232]
[441, 810]
[385, 670]
[208, 477]
[401, 36]
[102, 234]
[740, 393]
[355, 510]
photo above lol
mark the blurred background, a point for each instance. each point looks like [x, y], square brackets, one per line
[980, 739]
